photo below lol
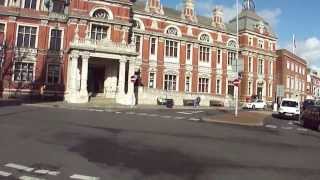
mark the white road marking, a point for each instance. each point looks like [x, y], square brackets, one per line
[5, 174]
[44, 171]
[271, 126]
[194, 119]
[29, 178]
[302, 129]
[287, 128]
[41, 171]
[118, 112]
[54, 173]
[190, 112]
[186, 113]
[83, 177]
[179, 118]
[290, 123]
[19, 167]
[143, 114]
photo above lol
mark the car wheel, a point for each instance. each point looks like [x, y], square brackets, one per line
[318, 128]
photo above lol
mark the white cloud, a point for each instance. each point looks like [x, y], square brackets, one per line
[271, 15]
[309, 50]
[205, 8]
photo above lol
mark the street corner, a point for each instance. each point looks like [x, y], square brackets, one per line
[245, 118]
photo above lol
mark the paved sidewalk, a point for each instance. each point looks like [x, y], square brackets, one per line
[10, 102]
[246, 118]
[116, 106]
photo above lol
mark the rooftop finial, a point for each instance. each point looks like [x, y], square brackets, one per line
[249, 5]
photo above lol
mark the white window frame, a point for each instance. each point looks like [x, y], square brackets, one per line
[24, 61]
[30, 25]
[250, 41]
[208, 85]
[140, 45]
[177, 81]
[62, 36]
[261, 46]
[209, 58]
[271, 46]
[292, 66]
[218, 91]
[250, 88]
[219, 60]
[288, 82]
[37, 4]
[270, 91]
[233, 57]
[190, 84]
[169, 58]
[154, 79]
[189, 61]
[47, 73]
[104, 25]
[5, 3]
[258, 64]
[288, 65]
[153, 56]
[5, 30]
[250, 65]
[271, 67]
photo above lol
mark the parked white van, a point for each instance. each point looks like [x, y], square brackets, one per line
[289, 108]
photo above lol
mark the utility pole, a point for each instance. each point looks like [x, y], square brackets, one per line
[237, 59]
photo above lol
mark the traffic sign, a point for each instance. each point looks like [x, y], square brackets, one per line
[236, 82]
[133, 78]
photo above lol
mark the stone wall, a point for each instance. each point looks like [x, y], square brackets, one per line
[148, 96]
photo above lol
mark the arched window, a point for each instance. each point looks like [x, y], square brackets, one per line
[232, 44]
[172, 31]
[101, 14]
[205, 38]
[136, 24]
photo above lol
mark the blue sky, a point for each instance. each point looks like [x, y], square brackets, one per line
[288, 17]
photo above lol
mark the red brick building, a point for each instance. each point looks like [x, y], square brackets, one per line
[292, 74]
[85, 48]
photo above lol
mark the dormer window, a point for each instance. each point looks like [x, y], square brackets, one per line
[172, 31]
[136, 24]
[101, 14]
[261, 43]
[205, 38]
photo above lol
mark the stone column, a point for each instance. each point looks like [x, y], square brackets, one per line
[73, 71]
[122, 75]
[84, 75]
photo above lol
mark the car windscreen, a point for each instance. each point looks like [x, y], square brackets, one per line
[289, 104]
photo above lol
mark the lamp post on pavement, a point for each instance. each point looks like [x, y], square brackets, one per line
[237, 59]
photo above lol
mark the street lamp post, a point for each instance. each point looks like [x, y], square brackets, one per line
[237, 59]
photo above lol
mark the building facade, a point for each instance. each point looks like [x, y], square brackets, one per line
[80, 49]
[292, 74]
[313, 85]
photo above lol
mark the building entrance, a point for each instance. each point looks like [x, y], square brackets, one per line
[96, 76]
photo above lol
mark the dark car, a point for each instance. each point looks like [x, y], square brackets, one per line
[310, 118]
[308, 103]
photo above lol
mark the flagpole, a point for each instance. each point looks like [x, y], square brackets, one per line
[293, 44]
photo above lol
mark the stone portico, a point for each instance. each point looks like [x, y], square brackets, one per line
[100, 69]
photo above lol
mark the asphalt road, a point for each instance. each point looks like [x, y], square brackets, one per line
[149, 145]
